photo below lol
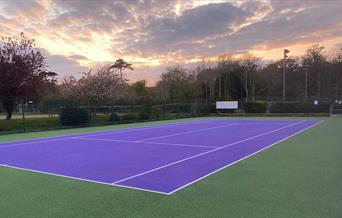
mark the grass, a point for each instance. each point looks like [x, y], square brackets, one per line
[300, 177]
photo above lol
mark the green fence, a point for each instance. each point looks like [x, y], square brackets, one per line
[69, 114]
[64, 115]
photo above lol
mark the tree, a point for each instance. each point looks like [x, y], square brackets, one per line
[336, 68]
[177, 85]
[316, 59]
[99, 86]
[119, 66]
[248, 68]
[140, 88]
[68, 87]
[22, 71]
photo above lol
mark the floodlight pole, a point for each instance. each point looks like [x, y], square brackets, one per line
[284, 74]
[284, 81]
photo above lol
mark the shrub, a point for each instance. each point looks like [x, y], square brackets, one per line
[74, 117]
[255, 107]
[295, 107]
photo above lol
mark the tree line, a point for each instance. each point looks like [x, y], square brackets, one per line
[24, 76]
[249, 78]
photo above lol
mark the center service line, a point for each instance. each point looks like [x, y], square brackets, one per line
[207, 152]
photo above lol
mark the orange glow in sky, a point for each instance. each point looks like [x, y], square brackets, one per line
[76, 35]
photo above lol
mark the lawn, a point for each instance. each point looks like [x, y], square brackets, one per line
[300, 177]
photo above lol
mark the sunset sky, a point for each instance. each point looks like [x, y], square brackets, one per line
[75, 35]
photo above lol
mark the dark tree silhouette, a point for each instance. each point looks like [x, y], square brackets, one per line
[119, 66]
[22, 71]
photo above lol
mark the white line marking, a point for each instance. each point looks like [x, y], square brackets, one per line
[204, 153]
[33, 142]
[151, 143]
[211, 173]
[81, 179]
[187, 132]
[141, 189]
[101, 132]
[135, 129]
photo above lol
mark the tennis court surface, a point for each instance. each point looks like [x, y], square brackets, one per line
[162, 159]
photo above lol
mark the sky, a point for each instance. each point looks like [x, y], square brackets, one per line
[75, 35]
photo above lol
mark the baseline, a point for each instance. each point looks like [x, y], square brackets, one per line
[65, 137]
[207, 152]
[80, 179]
[241, 159]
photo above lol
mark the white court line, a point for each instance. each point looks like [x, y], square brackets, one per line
[137, 142]
[148, 190]
[106, 132]
[204, 153]
[81, 179]
[187, 132]
[135, 129]
[209, 174]
[33, 142]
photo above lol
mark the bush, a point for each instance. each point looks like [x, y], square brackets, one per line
[74, 117]
[255, 107]
[295, 107]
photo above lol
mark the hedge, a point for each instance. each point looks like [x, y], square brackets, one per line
[74, 117]
[255, 107]
[295, 107]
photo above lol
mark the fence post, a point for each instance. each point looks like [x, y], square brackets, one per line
[59, 116]
[132, 114]
[112, 115]
[89, 115]
[23, 113]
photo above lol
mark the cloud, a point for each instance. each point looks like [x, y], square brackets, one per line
[172, 34]
[64, 66]
[153, 34]
[23, 9]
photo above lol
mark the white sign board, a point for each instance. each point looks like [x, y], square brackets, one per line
[226, 105]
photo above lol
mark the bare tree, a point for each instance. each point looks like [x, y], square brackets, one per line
[336, 68]
[316, 59]
[248, 67]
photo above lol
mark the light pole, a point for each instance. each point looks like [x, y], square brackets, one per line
[306, 82]
[284, 74]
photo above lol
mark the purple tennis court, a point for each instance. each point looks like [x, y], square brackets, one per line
[163, 158]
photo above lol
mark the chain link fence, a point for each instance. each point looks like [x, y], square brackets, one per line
[62, 114]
